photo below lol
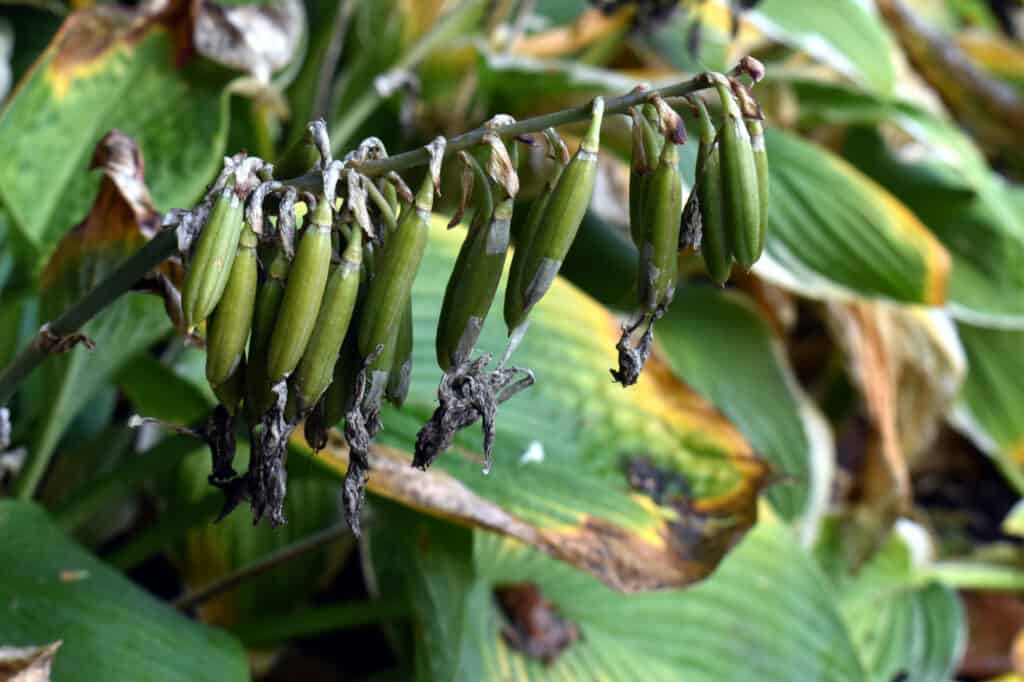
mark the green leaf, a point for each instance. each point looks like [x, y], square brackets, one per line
[721, 344]
[901, 624]
[833, 232]
[766, 614]
[158, 391]
[570, 495]
[844, 34]
[209, 551]
[992, 395]
[111, 232]
[970, 210]
[430, 565]
[110, 628]
[107, 69]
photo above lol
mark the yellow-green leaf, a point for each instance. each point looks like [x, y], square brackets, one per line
[992, 395]
[108, 67]
[833, 232]
[725, 348]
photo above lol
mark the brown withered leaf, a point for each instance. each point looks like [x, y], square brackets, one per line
[256, 38]
[678, 552]
[910, 367]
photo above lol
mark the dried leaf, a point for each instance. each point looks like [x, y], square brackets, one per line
[27, 664]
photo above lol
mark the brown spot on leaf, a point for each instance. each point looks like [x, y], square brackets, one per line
[535, 627]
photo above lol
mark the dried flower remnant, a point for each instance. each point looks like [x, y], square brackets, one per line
[534, 627]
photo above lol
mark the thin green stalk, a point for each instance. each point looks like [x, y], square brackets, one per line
[615, 105]
[974, 575]
[119, 281]
[263, 564]
[314, 621]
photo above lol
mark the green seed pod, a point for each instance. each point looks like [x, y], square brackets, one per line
[714, 247]
[302, 296]
[646, 145]
[756, 130]
[210, 267]
[739, 181]
[472, 286]
[514, 287]
[231, 391]
[663, 209]
[268, 300]
[395, 269]
[401, 368]
[316, 368]
[707, 194]
[228, 329]
[337, 399]
[562, 217]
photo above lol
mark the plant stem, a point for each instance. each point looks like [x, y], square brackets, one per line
[314, 621]
[975, 575]
[615, 105]
[119, 281]
[263, 564]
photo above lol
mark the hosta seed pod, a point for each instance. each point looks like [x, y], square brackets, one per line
[739, 181]
[401, 368]
[316, 368]
[210, 267]
[472, 285]
[228, 329]
[562, 217]
[302, 295]
[756, 130]
[646, 145]
[662, 212]
[337, 399]
[258, 397]
[231, 391]
[714, 246]
[707, 193]
[514, 287]
[394, 271]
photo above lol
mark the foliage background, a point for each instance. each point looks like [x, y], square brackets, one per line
[872, 358]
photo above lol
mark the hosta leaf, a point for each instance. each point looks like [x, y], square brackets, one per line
[833, 232]
[844, 34]
[116, 226]
[970, 210]
[767, 614]
[902, 624]
[724, 347]
[990, 400]
[108, 67]
[111, 629]
[209, 552]
[570, 496]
